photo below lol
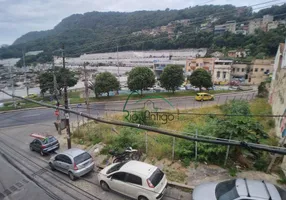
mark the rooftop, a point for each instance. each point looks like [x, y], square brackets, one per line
[138, 167]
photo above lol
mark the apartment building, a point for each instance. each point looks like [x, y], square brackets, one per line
[240, 70]
[222, 72]
[260, 69]
[195, 63]
[253, 25]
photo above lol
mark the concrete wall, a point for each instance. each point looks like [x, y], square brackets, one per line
[277, 96]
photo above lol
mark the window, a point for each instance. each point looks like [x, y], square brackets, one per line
[134, 179]
[82, 157]
[115, 167]
[218, 74]
[119, 176]
[197, 64]
[262, 69]
[59, 158]
[237, 69]
[156, 177]
[224, 74]
[226, 190]
[49, 140]
[256, 69]
[37, 142]
[66, 159]
[242, 69]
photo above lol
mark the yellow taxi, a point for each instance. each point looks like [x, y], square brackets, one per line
[31, 96]
[204, 97]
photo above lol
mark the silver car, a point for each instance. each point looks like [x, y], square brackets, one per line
[238, 189]
[74, 162]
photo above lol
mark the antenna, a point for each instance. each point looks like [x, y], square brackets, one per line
[267, 190]
[247, 189]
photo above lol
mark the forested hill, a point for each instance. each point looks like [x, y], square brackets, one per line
[103, 31]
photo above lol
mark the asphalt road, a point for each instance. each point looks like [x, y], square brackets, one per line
[16, 186]
[15, 128]
[14, 143]
[46, 116]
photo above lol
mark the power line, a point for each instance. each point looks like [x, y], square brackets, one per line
[163, 132]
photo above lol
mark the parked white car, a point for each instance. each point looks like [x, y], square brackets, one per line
[135, 179]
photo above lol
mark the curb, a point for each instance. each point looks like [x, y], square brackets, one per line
[123, 101]
[179, 185]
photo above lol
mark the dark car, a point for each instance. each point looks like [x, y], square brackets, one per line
[45, 145]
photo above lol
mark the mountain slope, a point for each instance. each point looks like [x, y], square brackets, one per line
[103, 31]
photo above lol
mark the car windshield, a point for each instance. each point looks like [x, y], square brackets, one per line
[281, 192]
[49, 140]
[226, 190]
[115, 167]
[82, 157]
[156, 177]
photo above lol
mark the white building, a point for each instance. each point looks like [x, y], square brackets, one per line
[222, 72]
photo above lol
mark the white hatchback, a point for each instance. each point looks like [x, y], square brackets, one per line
[135, 179]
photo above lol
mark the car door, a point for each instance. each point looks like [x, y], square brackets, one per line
[117, 182]
[134, 186]
[37, 145]
[61, 163]
[65, 165]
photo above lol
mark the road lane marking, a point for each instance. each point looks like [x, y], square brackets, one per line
[31, 115]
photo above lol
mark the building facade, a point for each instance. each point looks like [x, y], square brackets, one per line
[240, 71]
[222, 72]
[195, 63]
[260, 69]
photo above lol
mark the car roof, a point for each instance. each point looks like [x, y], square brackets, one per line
[137, 167]
[73, 152]
[257, 189]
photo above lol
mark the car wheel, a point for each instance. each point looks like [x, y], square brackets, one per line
[104, 186]
[42, 153]
[31, 148]
[142, 198]
[52, 167]
[72, 177]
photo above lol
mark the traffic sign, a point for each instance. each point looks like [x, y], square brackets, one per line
[67, 116]
[57, 113]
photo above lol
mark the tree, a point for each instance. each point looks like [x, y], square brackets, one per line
[201, 78]
[106, 82]
[172, 77]
[140, 78]
[46, 80]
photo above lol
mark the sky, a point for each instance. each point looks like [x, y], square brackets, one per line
[18, 17]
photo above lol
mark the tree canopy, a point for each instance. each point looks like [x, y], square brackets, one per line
[201, 78]
[140, 78]
[172, 77]
[106, 82]
[47, 84]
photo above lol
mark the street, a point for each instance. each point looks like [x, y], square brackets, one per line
[21, 164]
[46, 116]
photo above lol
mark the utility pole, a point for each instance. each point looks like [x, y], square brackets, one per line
[86, 88]
[12, 83]
[56, 97]
[66, 101]
[25, 69]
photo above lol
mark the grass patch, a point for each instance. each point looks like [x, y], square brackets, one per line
[175, 175]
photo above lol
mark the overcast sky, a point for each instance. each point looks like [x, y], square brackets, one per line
[18, 17]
